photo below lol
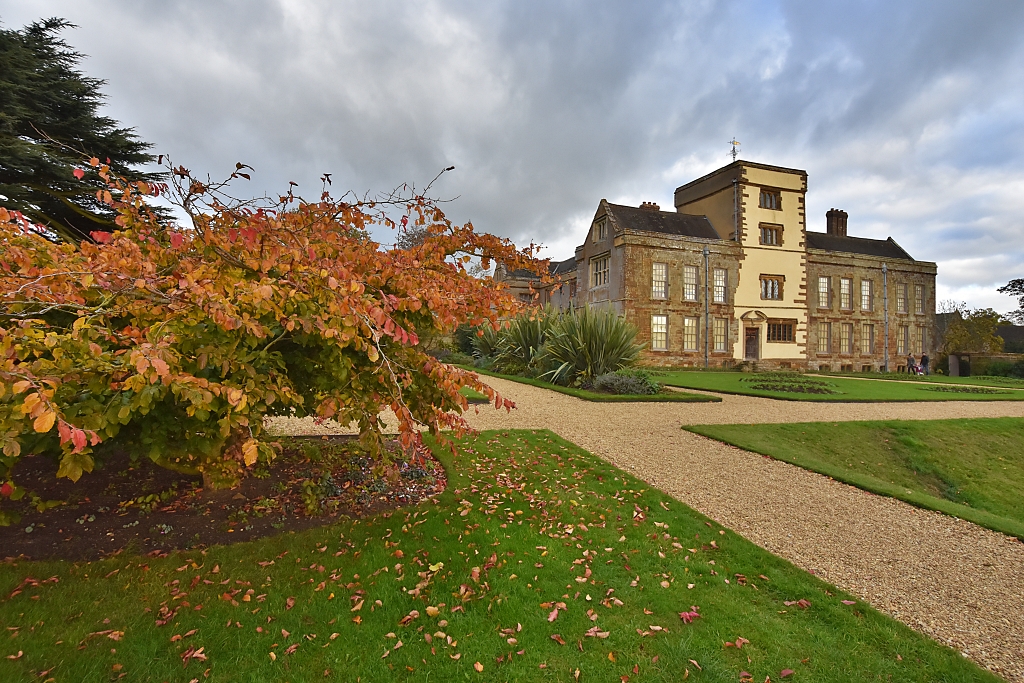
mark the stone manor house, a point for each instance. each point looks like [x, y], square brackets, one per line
[734, 276]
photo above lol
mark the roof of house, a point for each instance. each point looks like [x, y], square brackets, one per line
[886, 248]
[562, 267]
[665, 222]
[554, 268]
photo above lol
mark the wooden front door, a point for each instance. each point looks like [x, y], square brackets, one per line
[752, 342]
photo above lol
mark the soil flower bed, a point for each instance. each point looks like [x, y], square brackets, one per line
[147, 509]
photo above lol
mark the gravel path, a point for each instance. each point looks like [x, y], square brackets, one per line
[957, 582]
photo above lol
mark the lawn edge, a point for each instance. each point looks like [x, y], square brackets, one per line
[922, 501]
[674, 397]
[840, 400]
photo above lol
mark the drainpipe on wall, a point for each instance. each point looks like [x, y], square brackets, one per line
[885, 308]
[707, 313]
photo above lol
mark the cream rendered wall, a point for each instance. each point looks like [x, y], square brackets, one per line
[718, 207]
[786, 260]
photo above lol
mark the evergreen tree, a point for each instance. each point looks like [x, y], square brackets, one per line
[49, 127]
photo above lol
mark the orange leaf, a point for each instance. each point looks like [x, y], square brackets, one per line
[44, 422]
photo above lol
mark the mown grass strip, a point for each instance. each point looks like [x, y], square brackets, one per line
[664, 397]
[839, 389]
[972, 468]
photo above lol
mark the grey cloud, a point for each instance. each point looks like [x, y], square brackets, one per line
[907, 114]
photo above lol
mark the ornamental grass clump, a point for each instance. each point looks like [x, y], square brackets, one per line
[521, 342]
[587, 343]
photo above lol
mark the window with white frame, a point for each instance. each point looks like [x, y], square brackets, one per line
[867, 340]
[867, 295]
[659, 281]
[720, 292]
[846, 293]
[824, 292]
[919, 299]
[689, 334]
[901, 297]
[599, 271]
[659, 332]
[690, 283]
[721, 333]
[824, 337]
[902, 339]
[846, 338]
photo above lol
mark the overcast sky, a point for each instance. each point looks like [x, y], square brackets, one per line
[907, 114]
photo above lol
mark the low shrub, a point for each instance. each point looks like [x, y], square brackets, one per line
[626, 382]
[1006, 369]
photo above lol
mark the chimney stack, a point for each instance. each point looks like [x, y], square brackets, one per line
[835, 220]
[650, 206]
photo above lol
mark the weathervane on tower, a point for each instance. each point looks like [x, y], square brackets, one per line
[735, 148]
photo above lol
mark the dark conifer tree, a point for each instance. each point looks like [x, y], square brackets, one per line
[50, 126]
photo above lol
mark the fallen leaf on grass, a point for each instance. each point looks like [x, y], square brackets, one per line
[785, 673]
[688, 617]
[17, 656]
[801, 603]
[432, 611]
[694, 662]
[558, 639]
[479, 667]
[289, 603]
[849, 602]
[740, 641]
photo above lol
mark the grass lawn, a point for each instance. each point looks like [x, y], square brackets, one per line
[667, 396]
[539, 561]
[793, 386]
[981, 380]
[473, 395]
[973, 469]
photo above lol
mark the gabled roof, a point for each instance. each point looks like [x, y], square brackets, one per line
[664, 222]
[886, 248]
[563, 267]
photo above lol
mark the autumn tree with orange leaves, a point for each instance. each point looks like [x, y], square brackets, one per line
[176, 343]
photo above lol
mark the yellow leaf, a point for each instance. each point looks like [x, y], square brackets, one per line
[21, 386]
[44, 422]
[611, 656]
[249, 452]
[372, 354]
[479, 667]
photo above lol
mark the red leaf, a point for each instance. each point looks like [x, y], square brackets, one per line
[558, 639]
[289, 603]
[101, 236]
[785, 673]
[177, 239]
[78, 173]
[6, 490]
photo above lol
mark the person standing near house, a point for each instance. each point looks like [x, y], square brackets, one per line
[924, 364]
[911, 364]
